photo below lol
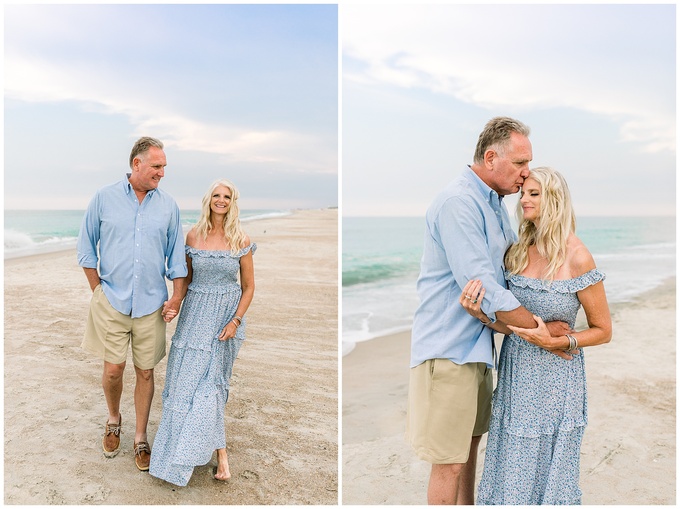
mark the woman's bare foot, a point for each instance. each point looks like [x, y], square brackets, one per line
[221, 471]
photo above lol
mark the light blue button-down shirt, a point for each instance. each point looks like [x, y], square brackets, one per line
[468, 231]
[135, 241]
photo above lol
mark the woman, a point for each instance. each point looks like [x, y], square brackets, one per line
[210, 331]
[539, 408]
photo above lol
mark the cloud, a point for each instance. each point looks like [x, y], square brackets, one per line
[285, 148]
[101, 89]
[524, 58]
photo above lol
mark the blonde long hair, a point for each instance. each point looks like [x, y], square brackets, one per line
[234, 235]
[556, 222]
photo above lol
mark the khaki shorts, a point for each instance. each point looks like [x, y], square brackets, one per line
[448, 405]
[108, 333]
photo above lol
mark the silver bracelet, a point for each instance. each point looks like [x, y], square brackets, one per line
[573, 343]
[485, 323]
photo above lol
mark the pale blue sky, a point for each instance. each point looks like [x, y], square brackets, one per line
[596, 84]
[245, 92]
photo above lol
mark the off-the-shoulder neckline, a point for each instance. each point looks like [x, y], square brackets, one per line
[225, 251]
[554, 280]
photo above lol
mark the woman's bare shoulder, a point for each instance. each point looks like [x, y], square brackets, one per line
[192, 238]
[579, 257]
[246, 241]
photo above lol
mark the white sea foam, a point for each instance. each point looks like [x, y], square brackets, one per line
[17, 240]
[19, 244]
[268, 215]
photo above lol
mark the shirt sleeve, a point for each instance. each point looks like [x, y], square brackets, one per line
[88, 237]
[465, 240]
[177, 264]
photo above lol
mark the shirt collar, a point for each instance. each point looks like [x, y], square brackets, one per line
[492, 196]
[128, 187]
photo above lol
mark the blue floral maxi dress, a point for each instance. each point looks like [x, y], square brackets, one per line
[539, 407]
[199, 368]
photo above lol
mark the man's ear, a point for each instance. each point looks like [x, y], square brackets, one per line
[489, 156]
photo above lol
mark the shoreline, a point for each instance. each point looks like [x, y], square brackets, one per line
[631, 390]
[50, 249]
[282, 444]
[348, 344]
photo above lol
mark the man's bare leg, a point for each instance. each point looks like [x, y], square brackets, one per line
[144, 388]
[466, 486]
[444, 482]
[454, 483]
[112, 383]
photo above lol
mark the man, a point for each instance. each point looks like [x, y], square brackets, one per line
[137, 229]
[468, 232]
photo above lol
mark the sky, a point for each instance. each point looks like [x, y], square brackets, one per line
[243, 92]
[595, 83]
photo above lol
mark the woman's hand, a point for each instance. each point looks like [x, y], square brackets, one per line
[540, 336]
[228, 332]
[169, 315]
[170, 310]
[471, 299]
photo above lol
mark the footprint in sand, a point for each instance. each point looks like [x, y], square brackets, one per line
[248, 474]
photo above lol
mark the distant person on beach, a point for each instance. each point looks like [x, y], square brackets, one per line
[539, 409]
[210, 332]
[129, 242]
[468, 232]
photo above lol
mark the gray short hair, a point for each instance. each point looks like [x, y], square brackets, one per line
[497, 132]
[142, 145]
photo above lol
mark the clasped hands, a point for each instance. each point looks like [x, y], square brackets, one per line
[543, 335]
[170, 309]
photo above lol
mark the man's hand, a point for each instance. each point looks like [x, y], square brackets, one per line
[170, 309]
[471, 299]
[92, 278]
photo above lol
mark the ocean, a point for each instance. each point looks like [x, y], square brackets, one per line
[381, 262]
[29, 232]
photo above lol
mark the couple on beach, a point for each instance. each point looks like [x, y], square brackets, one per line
[130, 240]
[478, 276]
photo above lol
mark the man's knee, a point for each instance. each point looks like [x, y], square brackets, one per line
[447, 470]
[113, 372]
[144, 374]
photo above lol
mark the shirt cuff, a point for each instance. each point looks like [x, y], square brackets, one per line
[177, 271]
[87, 261]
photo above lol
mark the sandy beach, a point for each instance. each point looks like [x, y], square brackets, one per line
[282, 415]
[628, 454]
